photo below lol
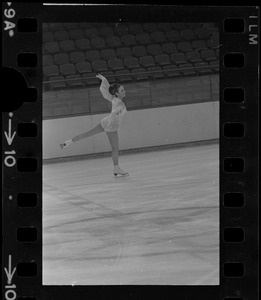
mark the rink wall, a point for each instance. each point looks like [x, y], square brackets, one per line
[140, 128]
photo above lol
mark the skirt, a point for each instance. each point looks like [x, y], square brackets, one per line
[108, 125]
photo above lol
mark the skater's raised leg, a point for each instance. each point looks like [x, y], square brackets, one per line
[114, 141]
[97, 129]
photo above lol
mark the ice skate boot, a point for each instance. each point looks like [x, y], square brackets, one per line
[65, 144]
[118, 171]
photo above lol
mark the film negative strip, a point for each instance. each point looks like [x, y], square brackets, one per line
[218, 45]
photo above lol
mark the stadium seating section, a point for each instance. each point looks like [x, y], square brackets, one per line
[74, 53]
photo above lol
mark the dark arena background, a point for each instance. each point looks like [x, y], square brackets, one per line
[161, 224]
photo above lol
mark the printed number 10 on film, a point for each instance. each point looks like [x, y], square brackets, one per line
[9, 155]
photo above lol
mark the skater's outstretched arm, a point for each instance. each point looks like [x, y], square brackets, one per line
[104, 88]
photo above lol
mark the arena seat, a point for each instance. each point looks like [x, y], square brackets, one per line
[150, 27]
[178, 58]
[188, 34]
[162, 59]
[98, 43]
[70, 26]
[208, 55]
[171, 71]
[83, 67]
[169, 48]
[139, 51]
[139, 74]
[45, 27]
[198, 45]
[67, 46]
[106, 31]
[47, 60]
[99, 24]
[184, 46]
[193, 25]
[154, 49]
[57, 82]
[48, 36]
[113, 41]
[213, 29]
[158, 37]
[213, 42]
[143, 38]
[217, 52]
[61, 58]
[164, 27]
[202, 68]
[90, 79]
[155, 72]
[128, 40]
[121, 29]
[147, 61]
[84, 25]
[202, 33]
[82, 44]
[126, 51]
[50, 71]
[115, 64]
[131, 62]
[123, 52]
[77, 56]
[55, 26]
[74, 80]
[99, 66]
[107, 54]
[214, 64]
[187, 69]
[109, 75]
[172, 35]
[91, 32]
[135, 28]
[76, 34]
[193, 57]
[123, 75]
[67, 69]
[92, 55]
[61, 35]
[179, 26]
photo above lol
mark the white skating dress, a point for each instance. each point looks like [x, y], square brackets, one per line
[112, 122]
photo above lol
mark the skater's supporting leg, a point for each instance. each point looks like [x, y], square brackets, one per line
[114, 141]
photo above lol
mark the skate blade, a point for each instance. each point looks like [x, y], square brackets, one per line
[117, 175]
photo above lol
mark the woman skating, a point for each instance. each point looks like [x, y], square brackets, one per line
[110, 124]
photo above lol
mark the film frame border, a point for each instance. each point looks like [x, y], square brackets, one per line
[22, 259]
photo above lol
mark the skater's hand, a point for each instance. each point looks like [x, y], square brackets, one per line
[100, 77]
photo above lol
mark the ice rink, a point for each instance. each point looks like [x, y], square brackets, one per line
[159, 226]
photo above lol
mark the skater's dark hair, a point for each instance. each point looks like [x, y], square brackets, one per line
[114, 88]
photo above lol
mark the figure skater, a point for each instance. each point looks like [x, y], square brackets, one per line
[110, 124]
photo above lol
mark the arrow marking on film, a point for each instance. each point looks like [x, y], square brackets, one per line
[10, 136]
[9, 272]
